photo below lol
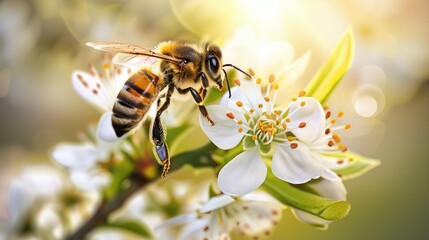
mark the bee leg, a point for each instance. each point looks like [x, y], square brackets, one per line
[201, 106]
[203, 92]
[159, 136]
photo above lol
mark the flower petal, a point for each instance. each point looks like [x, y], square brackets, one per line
[77, 156]
[297, 165]
[247, 93]
[224, 134]
[216, 203]
[105, 130]
[91, 182]
[245, 173]
[311, 114]
[88, 87]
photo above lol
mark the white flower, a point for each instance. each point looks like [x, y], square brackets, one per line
[253, 214]
[324, 188]
[84, 162]
[294, 133]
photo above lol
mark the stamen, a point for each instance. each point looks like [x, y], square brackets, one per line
[294, 99]
[340, 161]
[239, 103]
[271, 78]
[276, 86]
[254, 137]
[267, 99]
[340, 114]
[302, 103]
[230, 115]
[302, 93]
[260, 105]
[330, 143]
[251, 110]
[294, 145]
[237, 82]
[290, 138]
[239, 122]
[240, 130]
[287, 120]
[284, 126]
[347, 126]
[106, 66]
[333, 121]
[302, 125]
[80, 78]
[251, 72]
[95, 91]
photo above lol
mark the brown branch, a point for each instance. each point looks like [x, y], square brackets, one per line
[109, 206]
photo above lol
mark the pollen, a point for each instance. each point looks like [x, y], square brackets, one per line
[239, 122]
[239, 103]
[251, 110]
[284, 126]
[237, 82]
[302, 125]
[330, 143]
[267, 99]
[254, 137]
[328, 114]
[294, 145]
[258, 80]
[251, 72]
[230, 115]
[271, 78]
[106, 66]
[240, 130]
[260, 105]
[302, 93]
[287, 120]
[347, 126]
[340, 114]
[333, 121]
[302, 103]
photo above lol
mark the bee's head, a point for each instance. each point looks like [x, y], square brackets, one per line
[214, 67]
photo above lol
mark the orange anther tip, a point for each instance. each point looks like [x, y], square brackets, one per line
[251, 72]
[230, 115]
[302, 93]
[237, 82]
[271, 78]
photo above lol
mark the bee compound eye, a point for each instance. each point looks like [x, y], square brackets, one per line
[213, 64]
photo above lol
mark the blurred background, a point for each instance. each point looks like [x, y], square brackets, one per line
[385, 95]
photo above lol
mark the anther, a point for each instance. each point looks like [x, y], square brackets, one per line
[302, 125]
[276, 86]
[260, 105]
[294, 99]
[330, 143]
[271, 78]
[258, 80]
[340, 161]
[290, 138]
[328, 114]
[284, 126]
[347, 126]
[106, 66]
[294, 145]
[327, 131]
[237, 82]
[251, 72]
[239, 122]
[340, 114]
[302, 103]
[240, 130]
[95, 91]
[333, 121]
[239, 103]
[254, 137]
[287, 120]
[336, 138]
[230, 115]
[251, 110]
[267, 99]
[302, 93]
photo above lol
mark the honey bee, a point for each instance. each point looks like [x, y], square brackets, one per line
[185, 67]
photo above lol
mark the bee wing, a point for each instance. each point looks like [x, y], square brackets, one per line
[130, 50]
[131, 60]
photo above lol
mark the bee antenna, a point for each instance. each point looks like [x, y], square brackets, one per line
[227, 82]
[236, 68]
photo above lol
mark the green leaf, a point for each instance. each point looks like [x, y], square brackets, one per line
[119, 172]
[329, 74]
[295, 197]
[132, 226]
[358, 164]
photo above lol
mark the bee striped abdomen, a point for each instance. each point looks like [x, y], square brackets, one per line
[134, 101]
